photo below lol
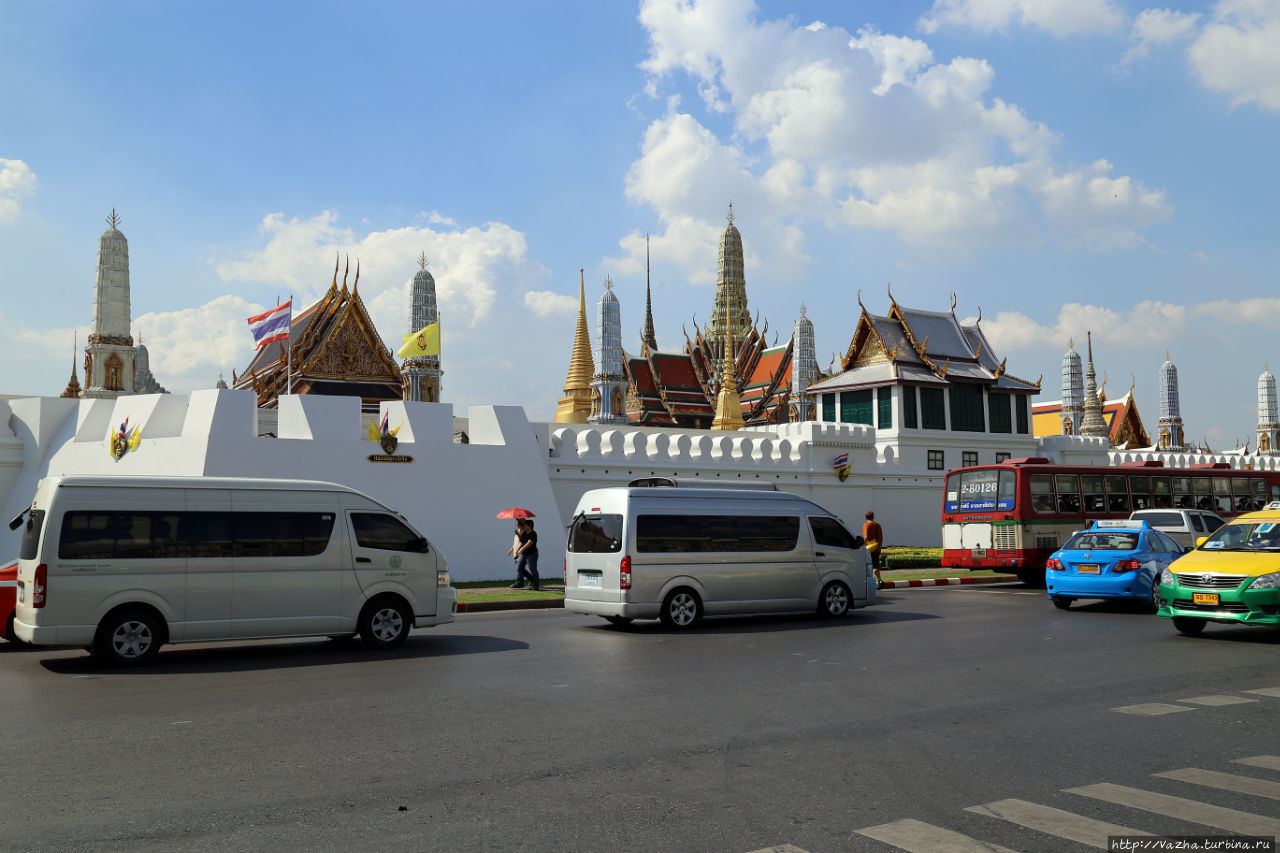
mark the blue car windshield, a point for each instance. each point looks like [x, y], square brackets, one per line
[1093, 541]
[1245, 536]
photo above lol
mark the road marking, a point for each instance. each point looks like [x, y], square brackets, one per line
[780, 848]
[1219, 817]
[1270, 762]
[1225, 782]
[1266, 691]
[918, 837]
[1218, 699]
[1051, 821]
[1152, 709]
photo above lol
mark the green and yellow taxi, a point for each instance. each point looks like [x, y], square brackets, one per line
[1232, 576]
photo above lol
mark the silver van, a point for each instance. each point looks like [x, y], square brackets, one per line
[677, 554]
[1184, 526]
[122, 565]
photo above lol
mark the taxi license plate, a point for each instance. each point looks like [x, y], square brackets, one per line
[1088, 569]
[589, 579]
[1204, 598]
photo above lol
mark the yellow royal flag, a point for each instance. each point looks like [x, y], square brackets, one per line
[424, 342]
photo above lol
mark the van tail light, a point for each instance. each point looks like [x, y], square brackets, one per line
[624, 573]
[1126, 566]
[564, 571]
[1054, 565]
[38, 588]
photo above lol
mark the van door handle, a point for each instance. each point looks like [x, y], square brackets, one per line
[363, 560]
[819, 553]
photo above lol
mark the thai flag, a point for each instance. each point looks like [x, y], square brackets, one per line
[383, 428]
[840, 461]
[271, 326]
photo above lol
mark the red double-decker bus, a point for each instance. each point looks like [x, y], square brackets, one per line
[1013, 515]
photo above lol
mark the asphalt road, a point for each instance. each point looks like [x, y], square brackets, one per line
[542, 730]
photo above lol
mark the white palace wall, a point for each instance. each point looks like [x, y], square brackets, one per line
[453, 491]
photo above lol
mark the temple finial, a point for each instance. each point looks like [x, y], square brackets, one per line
[114, 219]
[803, 311]
[608, 282]
[422, 261]
[356, 283]
[337, 256]
[730, 213]
[345, 272]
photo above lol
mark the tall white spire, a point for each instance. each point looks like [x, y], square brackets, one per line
[1072, 391]
[110, 355]
[607, 385]
[1092, 422]
[1169, 429]
[804, 366]
[422, 375]
[1268, 413]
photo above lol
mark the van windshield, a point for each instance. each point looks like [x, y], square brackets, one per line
[31, 535]
[596, 534]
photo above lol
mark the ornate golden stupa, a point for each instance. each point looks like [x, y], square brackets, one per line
[728, 403]
[575, 405]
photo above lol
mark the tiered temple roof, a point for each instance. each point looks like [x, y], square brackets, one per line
[930, 348]
[336, 351]
[1124, 424]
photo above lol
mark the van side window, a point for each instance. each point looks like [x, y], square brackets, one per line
[684, 534]
[31, 535]
[106, 535]
[103, 535]
[282, 534]
[382, 531]
[829, 532]
[596, 534]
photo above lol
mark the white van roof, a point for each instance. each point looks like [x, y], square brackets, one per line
[169, 482]
[700, 494]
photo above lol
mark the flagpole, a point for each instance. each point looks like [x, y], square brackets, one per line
[288, 384]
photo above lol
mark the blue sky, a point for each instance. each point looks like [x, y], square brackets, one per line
[1063, 165]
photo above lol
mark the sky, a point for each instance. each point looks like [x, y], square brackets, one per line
[1059, 166]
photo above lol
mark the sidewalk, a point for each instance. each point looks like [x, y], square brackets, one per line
[894, 579]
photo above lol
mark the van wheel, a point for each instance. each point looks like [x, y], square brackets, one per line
[681, 609]
[834, 601]
[385, 623]
[128, 638]
[1187, 625]
[618, 621]
[10, 634]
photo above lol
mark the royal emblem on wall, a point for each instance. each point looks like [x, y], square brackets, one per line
[385, 435]
[121, 441]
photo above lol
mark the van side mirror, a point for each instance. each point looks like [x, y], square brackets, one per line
[420, 546]
[858, 542]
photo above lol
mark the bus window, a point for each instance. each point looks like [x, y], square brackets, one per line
[1182, 493]
[1259, 493]
[1095, 499]
[1240, 497]
[1161, 497]
[1222, 495]
[978, 490]
[1042, 492]
[1140, 488]
[1203, 496]
[1009, 490]
[951, 503]
[1117, 493]
[1068, 494]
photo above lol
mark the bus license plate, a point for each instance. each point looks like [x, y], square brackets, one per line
[589, 579]
[1204, 598]
[978, 553]
[1087, 569]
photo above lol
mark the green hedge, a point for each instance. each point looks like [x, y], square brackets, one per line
[908, 557]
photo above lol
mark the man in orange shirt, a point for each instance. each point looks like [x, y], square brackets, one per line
[873, 533]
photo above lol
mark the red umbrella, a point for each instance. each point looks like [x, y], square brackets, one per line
[515, 512]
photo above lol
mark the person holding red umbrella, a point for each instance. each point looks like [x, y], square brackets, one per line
[524, 547]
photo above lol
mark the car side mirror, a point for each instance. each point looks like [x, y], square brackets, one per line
[1201, 540]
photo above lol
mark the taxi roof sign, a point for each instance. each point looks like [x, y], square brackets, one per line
[1123, 523]
[1274, 505]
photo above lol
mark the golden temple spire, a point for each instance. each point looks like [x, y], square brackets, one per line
[728, 403]
[575, 405]
[647, 336]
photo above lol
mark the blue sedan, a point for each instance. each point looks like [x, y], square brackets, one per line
[1111, 559]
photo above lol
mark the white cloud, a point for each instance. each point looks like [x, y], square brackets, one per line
[17, 182]
[1155, 28]
[1236, 52]
[866, 131]
[1145, 324]
[190, 347]
[547, 303]
[1056, 17]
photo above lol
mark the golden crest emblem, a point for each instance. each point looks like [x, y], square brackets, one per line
[121, 441]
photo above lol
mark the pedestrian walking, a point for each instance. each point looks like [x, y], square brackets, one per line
[873, 533]
[515, 558]
[527, 555]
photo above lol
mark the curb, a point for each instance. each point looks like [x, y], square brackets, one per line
[906, 584]
[530, 604]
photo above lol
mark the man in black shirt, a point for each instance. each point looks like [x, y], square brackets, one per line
[527, 556]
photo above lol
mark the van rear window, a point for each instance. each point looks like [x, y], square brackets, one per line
[683, 534]
[31, 535]
[596, 534]
[142, 534]
[1160, 519]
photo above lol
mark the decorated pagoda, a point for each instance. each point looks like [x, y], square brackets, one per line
[336, 351]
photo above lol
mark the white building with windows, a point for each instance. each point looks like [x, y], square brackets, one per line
[937, 394]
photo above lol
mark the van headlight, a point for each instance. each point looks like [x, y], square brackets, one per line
[442, 578]
[1166, 576]
[1270, 581]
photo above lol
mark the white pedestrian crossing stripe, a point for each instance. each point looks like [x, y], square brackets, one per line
[1152, 709]
[1053, 821]
[1266, 691]
[1217, 700]
[1219, 817]
[919, 837]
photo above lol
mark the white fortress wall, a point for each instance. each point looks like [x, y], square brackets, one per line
[795, 457]
[450, 491]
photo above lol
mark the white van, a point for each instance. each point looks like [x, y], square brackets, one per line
[676, 554]
[123, 565]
